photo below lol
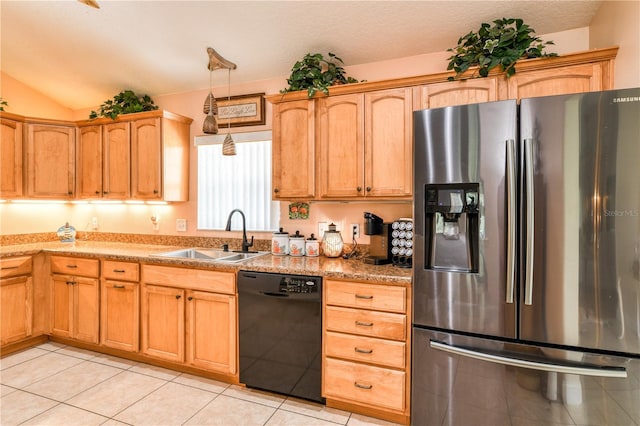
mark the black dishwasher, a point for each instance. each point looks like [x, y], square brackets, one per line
[280, 327]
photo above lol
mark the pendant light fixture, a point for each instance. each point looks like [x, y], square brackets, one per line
[228, 146]
[210, 124]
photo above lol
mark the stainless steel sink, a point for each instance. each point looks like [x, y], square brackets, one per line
[212, 255]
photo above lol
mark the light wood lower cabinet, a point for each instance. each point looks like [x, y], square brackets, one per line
[75, 298]
[194, 323]
[16, 299]
[366, 348]
[120, 305]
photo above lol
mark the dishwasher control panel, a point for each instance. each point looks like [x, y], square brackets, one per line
[299, 284]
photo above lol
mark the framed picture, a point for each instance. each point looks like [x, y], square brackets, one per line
[243, 110]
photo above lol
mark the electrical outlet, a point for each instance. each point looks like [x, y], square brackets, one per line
[355, 230]
[181, 225]
[322, 226]
[94, 223]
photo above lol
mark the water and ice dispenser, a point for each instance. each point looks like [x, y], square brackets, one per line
[452, 227]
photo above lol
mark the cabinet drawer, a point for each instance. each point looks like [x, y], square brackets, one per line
[14, 266]
[376, 386]
[75, 266]
[193, 279]
[123, 271]
[368, 296]
[387, 353]
[366, 323]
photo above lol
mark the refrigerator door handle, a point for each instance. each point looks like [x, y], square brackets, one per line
[528, 278]
[511, 219]
[617, 372]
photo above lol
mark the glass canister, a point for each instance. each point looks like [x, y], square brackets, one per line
[296, 244]
[312, 247]
[332, 242]
[280, 243]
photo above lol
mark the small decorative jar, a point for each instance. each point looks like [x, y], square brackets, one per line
[280, 243]
[312, 247]
[296, 244]
[332, 242]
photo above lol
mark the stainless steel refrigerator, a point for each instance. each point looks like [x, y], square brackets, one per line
[526, 276]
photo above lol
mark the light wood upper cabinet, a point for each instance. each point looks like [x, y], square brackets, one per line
[160, 157]
[460, 92]
[10, 158]
[50, 161]
[103, 161]
[293, 150]
[581, 78]
[365, 145]
[340, 134]
[388, 149]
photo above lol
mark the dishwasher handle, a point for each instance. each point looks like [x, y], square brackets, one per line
[273, 294]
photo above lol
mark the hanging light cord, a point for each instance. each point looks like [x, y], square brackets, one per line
[229, 97]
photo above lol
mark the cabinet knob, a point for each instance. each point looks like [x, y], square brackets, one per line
[69, 193]
[178, 296]
[97, 192]
[359, 189]
[155, 191]
[368, 189]
[276, 190]
[105, 192]
[190, 298]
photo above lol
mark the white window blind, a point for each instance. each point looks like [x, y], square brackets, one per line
[242, 181]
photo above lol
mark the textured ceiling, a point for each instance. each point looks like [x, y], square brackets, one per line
[80, 56]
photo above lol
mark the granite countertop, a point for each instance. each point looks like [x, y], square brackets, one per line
[327, 267]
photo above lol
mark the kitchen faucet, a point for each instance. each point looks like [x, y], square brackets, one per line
[245, 243]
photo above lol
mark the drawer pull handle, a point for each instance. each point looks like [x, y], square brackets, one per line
[178, 297]
[118, 286]
[364, 296]
[119, 271]
[358, 385]
[70, 283]
[72, 266]
[364, 324]
[9, 267]
[363, 351]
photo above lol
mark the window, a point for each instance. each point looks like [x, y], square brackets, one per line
[242, 181]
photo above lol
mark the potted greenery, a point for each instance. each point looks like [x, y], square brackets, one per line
[3, 104]
[316, 73]
[125, 102]
[503, 43]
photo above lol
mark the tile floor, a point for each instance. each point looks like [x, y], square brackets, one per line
[54, 384]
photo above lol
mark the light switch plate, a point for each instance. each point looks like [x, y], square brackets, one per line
[181, 225]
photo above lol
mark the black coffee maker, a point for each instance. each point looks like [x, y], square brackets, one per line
[380, 245]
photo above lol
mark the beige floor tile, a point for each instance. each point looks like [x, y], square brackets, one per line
[253, 395]
[288, 418]
[153, 371]
[201, 383]
[316, 410]
[114, 361]
[66, 415]
[19, 406]
[172, 404]
[6, 390]
[35, 369]
[117, 393]
[72, 381]
[112, 422]
[228, 411]
[76, 352]
[51, 346]
[20, 357]
[360, 420]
